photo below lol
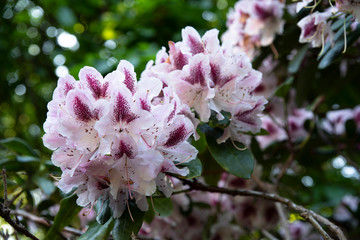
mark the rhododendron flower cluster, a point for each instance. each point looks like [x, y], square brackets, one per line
[315, 28]
[111, 139]
[253, 24]
[207, 76]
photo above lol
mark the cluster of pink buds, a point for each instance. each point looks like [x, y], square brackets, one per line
[253, 24]
[206, 76]
[113, 140]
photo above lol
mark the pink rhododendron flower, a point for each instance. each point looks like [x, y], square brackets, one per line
[315, 29]
[269, 81]
[276, 122]
[200, 74]
[335, 121]
[349, 6]
[253, 24]
[113, 140]
[301, 4]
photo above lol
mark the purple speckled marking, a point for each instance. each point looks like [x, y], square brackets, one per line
[176, 136]
[124, 149]
[81, 110]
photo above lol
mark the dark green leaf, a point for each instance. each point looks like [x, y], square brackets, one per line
[195, 168]
[97, 231]
[295, 64]
[262, 132]
[238, 163]
[19, 146]
[163, 206]
[337, 50]
[283, 89]
[105, 212]
[338, 34]
[124, 227]
[200, 144]
[68, 210]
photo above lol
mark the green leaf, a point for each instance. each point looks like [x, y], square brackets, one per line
[163, 206]
[124, 227]
[45, 184]
[195, 168]
[68, 210]
[200, 144]
[238, 163]
[283, 89]
[338, 34]
[97, 231]
[262, 132]
[337, 50]
[105, 212]
[295, 64]
[19, 146]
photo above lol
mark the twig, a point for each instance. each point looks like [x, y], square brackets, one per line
[283, 221]
[5, 188]
[315, 224]
[43, 221]
[15, 197]
[268, 234]
[273, 197]
[5, 214]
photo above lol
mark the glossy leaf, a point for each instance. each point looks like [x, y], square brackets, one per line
[163, 206]
[337, 50]
[238, 163]
[19, 146]
[105, 212]
[195, 168]
[124, 227]
[68, 210]
[97, 231]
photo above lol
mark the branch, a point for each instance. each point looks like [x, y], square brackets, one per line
[5, 214]
[43, 221]
[313, 217]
